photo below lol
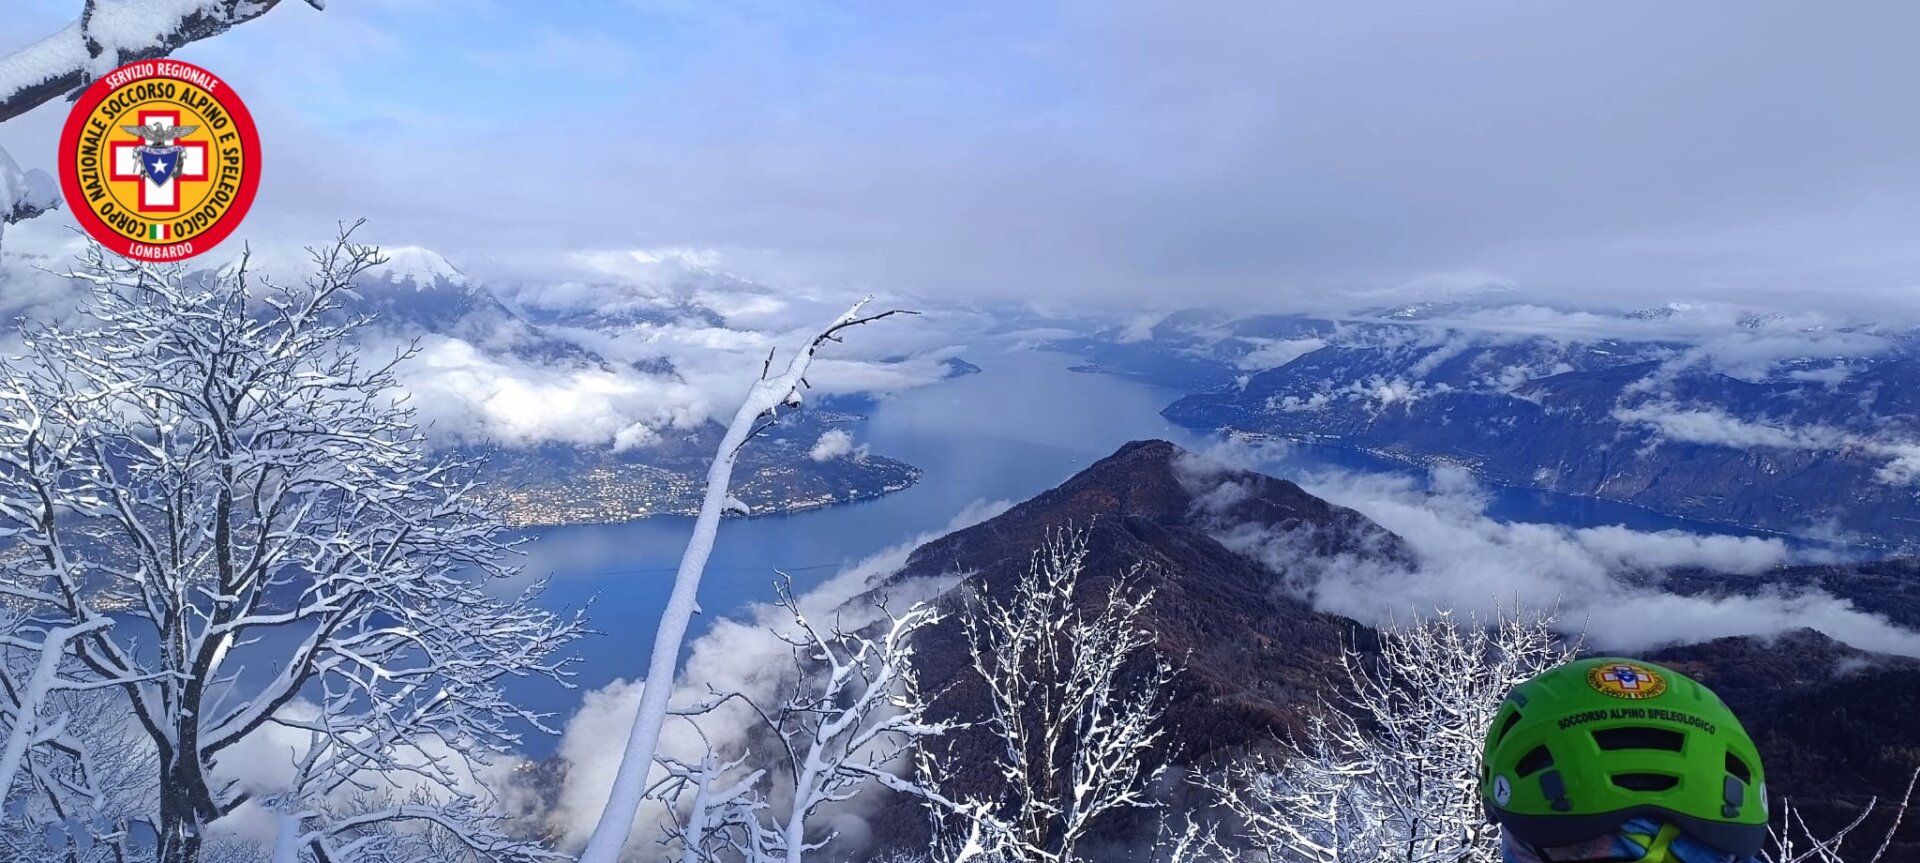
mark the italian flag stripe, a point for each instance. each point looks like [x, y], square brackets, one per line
[157, 232]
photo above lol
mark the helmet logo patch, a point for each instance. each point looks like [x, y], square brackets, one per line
[1626, 680]
[1502, 790]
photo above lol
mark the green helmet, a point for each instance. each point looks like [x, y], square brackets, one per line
[1577, 751]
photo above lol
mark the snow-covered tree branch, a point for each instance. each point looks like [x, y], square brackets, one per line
[68, 763]
[763, 403]
[850, 724]
[109, 34]
[1390, 770]
[106, 35]
[1794, 842]
[1076, 698]
[240, 529]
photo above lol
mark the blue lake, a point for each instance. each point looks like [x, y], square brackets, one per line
[1018, 428]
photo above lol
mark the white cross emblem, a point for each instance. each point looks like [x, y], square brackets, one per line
[154, 197]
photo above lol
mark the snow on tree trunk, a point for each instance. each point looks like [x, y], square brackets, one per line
[764, 400]
[109, 34]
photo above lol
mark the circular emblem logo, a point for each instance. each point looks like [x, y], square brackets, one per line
[1502, 790]
[159, 160]
[1626, 680]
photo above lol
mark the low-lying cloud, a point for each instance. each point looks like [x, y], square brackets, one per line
[1467, 560]
[1706, 425]
[468, 395]
[746, 654]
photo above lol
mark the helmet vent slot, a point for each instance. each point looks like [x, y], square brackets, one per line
[1645, 781]
[1640, 737]
[1512, 720]
[1739, 768]
[1536, 760]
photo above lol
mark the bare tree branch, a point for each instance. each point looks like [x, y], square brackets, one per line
[106, 37]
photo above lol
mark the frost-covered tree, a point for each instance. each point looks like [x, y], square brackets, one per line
[767, 397]
[1389, 770]
[75, 774]
[1076, 699]
[853, 717]
[240, 528]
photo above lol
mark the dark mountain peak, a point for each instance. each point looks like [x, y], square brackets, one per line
[1253, 654]
[1254, 660]
[1159, 480]
[1155, 482]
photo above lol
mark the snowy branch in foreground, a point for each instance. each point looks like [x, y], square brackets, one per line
[1076, 696]
[854, 716]
[1794, 842]
[109, 34]
[764, 401]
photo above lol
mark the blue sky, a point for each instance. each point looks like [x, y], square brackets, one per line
[1244, 151]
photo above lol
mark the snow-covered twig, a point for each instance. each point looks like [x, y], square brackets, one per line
[854, 715]
[1391, 770]
[1075, 711]
[109, 34]
[768, 395]
[1792, 831]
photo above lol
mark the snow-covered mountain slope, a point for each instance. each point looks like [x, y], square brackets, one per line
[1726, 415]
[417, 267]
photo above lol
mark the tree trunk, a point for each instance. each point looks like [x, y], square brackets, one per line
[185, 804]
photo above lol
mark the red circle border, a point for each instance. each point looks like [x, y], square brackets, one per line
[90, 222]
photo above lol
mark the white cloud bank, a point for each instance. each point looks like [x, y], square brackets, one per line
[745, 654]
[1714, 427]
[469, 395]
[1466, 560]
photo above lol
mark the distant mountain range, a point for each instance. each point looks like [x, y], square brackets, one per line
[1256, 660]
[1805, 430]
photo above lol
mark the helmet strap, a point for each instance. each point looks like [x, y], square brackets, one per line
[1657, 851]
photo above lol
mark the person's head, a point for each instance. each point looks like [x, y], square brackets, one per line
[1618, 759]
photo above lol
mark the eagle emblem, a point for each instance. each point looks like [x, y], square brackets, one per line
[160, 154]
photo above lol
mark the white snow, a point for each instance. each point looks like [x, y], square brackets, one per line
[42, 61]
[23, 194]
[31, 187]
[422, 268]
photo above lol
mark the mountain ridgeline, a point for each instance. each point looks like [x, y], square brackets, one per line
[1256, 662]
